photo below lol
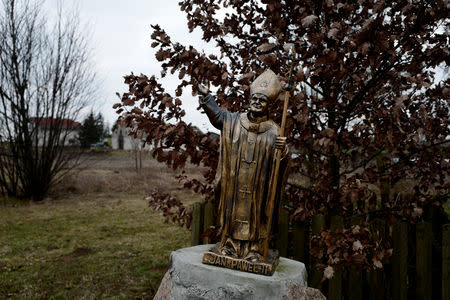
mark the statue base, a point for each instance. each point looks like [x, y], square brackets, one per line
[215, 258]
[189, 278]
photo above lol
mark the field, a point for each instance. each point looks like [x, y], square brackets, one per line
[94, 237]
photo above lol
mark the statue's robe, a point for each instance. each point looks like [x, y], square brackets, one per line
[245, 173]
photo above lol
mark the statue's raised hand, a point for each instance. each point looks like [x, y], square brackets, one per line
[203, 88]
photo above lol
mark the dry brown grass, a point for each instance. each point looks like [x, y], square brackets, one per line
[114, 172]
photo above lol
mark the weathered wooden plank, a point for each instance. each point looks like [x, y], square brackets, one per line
[317, 225]
[208, 218]
[299, 238]
[399, 260]
[424, 236]
[335, 284]
[376, 284]
[196, 223]
[282, 241]
[355, 284]
[446, 262]
[376, 277]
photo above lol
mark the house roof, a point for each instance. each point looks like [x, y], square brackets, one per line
[65, 123]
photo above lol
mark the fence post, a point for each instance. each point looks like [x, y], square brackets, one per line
[318, 223]
[355, 284]
[208, 218]
[299, 240]
[446, 262]
[335, 284]
[196, 224]
[424, 235]
[399, 260]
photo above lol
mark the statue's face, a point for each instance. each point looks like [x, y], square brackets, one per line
[259, 104]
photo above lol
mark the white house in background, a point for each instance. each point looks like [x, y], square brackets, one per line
[69, 132]
[120, 140]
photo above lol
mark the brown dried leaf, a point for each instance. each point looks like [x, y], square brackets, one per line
[357, 246]
[377, 263]
[309, 20]
[333, 33]
[266, 47]
[328, 272]
[300, 76]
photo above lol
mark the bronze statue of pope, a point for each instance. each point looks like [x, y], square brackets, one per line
[245, 173]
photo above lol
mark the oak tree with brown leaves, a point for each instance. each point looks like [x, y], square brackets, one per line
[370, 105]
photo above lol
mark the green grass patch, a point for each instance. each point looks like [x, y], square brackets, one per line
[85, 247]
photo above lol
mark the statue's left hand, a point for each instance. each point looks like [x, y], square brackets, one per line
[280, 142]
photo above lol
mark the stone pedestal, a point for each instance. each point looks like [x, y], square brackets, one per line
[189, 278]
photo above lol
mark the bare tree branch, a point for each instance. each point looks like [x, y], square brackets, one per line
[45, 81]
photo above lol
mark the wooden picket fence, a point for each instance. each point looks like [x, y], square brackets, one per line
[418, 269]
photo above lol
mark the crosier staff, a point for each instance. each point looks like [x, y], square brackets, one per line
[278, 153]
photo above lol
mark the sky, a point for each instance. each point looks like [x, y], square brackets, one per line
[120, 40]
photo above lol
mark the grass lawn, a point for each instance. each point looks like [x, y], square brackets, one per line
[85, 248]
[92, 239]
